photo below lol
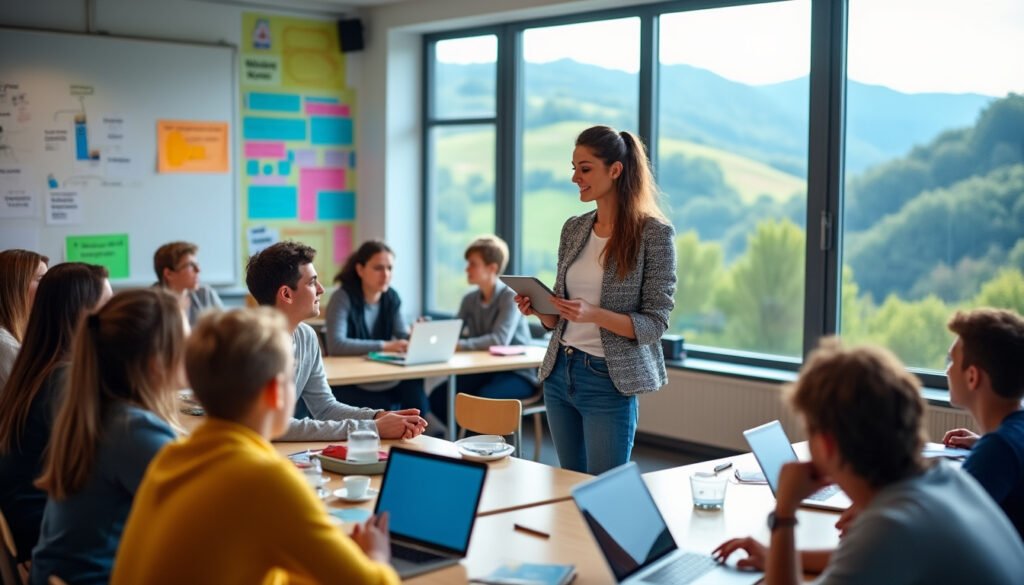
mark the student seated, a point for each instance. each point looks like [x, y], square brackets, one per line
[126, 363]
[918, 523]
[20, 271]
[32, 394]
[228, 508]
[177, 270]
[490, 317]
[283, 276]
[986, 376]
[364, 315]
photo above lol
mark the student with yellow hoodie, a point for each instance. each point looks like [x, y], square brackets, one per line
[222, 506]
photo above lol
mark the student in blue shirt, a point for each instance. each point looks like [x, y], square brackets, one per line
[986, 376]
[116, 414]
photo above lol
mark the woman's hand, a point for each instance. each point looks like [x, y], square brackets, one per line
[523, 303]
[961, 438]
[373, 538]
[757, 553]
[576, 310]
[399, 345]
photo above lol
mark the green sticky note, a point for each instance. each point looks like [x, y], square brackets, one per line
[109, 250]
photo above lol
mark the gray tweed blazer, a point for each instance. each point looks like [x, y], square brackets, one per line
[646, 294]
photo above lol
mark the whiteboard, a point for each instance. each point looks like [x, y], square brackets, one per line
[57, 89]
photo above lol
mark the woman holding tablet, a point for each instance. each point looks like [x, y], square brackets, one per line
[365, 315]
[614, 292]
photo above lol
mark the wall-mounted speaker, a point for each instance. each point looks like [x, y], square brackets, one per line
[350, 34]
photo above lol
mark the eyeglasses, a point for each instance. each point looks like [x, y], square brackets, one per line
[191, 265]
[949, 360]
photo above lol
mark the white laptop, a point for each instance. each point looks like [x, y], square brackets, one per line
[636, 543]
[431, 521]
[431, 342]
[772, 450]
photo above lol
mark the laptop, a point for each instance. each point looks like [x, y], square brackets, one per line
[432, 502]
[634, 539]
[431, 342]
[772, 450]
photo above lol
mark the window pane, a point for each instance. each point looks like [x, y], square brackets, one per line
[462, 196]
[934, 199]
[732, 164]
[465, 74]
[575, 76]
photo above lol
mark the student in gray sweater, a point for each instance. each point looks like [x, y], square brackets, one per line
[283, 276]
[489, 317]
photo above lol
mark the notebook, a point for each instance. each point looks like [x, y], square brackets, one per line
[772, 450]
[432, 502]
[431, 342]
[634, 539]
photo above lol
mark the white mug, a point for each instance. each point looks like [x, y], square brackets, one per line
[356, 485]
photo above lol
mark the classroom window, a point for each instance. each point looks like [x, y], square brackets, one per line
[934, 170]
[574, 76]
[732, 166]
[460, 146]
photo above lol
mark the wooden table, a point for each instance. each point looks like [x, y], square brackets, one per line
[495, 541]
[360, 370]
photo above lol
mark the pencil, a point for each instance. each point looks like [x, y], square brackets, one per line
[531, 531]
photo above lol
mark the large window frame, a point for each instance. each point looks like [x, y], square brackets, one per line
[826, 135]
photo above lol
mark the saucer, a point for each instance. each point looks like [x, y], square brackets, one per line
[342, 494]
[484, 448]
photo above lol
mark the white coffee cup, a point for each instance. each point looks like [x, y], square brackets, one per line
[356, 485]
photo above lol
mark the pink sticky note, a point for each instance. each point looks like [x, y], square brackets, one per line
[342, 243]
[265, 150]
[305, 158]
[311, 182]
[321, 109]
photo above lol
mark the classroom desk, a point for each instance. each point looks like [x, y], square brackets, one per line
[495, 541]
[360, 370]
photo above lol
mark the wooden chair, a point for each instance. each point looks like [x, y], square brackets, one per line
[490, 416]
[11, 573]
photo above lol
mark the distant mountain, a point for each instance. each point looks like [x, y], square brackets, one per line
[767, 123]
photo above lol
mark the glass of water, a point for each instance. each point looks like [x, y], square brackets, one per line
[363, 442]
[708, 490]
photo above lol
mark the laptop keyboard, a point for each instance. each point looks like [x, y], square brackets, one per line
[413, 555]
[686, 568]
[824, 493]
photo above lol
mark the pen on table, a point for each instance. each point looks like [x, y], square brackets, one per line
[531, 531]
[723, 466]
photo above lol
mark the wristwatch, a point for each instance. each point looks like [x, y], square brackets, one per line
[779, 521]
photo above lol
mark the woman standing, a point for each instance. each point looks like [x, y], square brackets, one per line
[20, 271]
[614, 292]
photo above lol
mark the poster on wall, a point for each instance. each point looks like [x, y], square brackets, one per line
[298, 169]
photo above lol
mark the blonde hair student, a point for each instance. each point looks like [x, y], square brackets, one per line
[117, 413]
[240, 366]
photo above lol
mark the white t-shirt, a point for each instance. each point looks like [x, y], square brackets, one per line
[583, 281]
[9, 347]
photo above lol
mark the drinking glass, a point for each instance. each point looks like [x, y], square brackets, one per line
[363, 442]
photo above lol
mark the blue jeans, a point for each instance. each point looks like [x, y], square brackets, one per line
[592, 425]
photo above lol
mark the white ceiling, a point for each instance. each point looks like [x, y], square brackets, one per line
[324, 6]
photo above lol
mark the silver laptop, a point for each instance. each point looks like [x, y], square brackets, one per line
[636, 543]
[772, 450]
[430, 522]
[431, 342]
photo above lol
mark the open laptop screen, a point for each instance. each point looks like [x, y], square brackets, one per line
[624, 519]
[432, 500]
[772, 449]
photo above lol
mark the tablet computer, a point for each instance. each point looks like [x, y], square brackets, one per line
[537, 291]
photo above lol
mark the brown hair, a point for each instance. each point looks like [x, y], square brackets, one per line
[275, 267]
[17, 269]
[368, 249]
[867, 401]
[635, 187]
[169, 255]
[231, 355]
[66, 293]
[993, 340]
[492, 250]
[129, 351]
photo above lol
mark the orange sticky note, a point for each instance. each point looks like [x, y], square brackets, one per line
[192, 146]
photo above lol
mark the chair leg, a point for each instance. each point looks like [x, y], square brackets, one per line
[517, 438]
[538, 435]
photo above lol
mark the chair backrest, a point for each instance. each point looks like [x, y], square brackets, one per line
[488, 416]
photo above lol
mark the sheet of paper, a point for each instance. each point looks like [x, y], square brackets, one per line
[63, 208]
[260, 238]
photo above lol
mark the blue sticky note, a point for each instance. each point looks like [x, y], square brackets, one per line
[254, 128]
[330, 131]
[252, 167]
[284, 168]
[273, 202]
[268, 169]
[291, 156]
[322, 100]
[336, 205]
[274, 102]
[351, 514]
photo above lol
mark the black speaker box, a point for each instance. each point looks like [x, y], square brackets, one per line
[350, 33]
